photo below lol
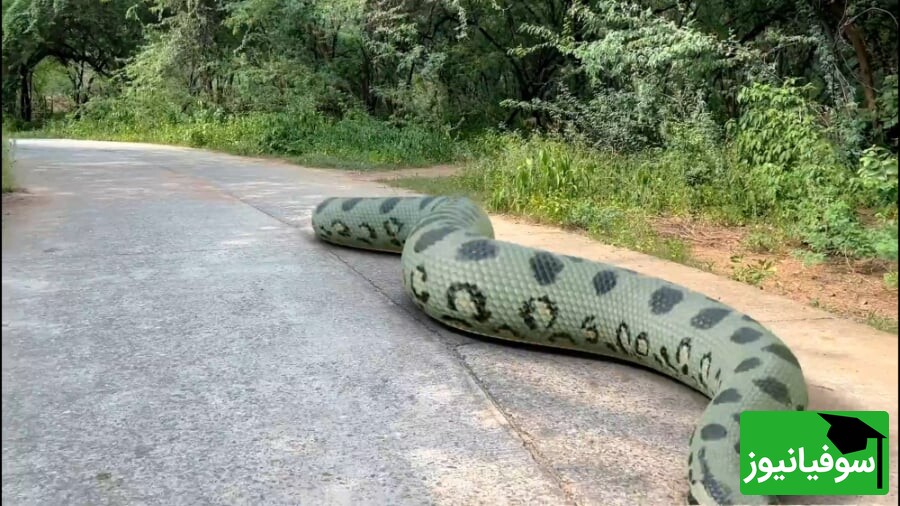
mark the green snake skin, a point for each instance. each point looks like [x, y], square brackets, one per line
[456, 272]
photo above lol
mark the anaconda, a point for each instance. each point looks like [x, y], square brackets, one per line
[456, 272]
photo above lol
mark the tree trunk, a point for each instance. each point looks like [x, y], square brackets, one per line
[25, 109]
[836, 11]
[865, 68]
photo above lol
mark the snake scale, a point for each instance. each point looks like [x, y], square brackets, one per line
[456, 272]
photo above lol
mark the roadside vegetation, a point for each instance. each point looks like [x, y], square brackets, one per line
[9, 182]
[775, 117]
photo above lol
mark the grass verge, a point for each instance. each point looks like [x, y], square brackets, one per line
[354, 142]
[627, 230]
[9, 183]
[627, 200]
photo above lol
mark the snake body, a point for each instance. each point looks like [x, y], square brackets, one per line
[456, 272]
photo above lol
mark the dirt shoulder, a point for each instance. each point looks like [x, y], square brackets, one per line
[850, 288]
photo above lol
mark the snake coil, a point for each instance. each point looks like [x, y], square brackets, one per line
[456, 272]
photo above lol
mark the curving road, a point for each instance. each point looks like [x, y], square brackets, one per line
[174, 334]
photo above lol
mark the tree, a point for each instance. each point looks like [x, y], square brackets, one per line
[100, 35]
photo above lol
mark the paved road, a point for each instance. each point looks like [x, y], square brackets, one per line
[174, 334]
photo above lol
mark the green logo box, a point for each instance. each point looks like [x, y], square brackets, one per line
[814, 453]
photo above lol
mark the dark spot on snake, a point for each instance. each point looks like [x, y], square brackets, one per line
[623, 338]
[745, 335]
[664, 299]
[369, 229]
[718, 492]
[527, 311]
[727, 396]
[545, 267]
[703, 374]
[479, 249]
[604, 281]
[507, 328]
[389, 204]
[748, 364]
[736, 417]
[322, 205]
[642, 345]
[562, 335]
[589, 328]
[392, 225]
[344, 229]
[422, 296]
[430, 237]
[428, 221]
[737, 447]
[458, 321]
[683, 353]
[775, 389]
[709, 317]
[691, 500]
[783, 352]
[664, 353]
[475, 295]
[349, 204]
[424, 202]
[691, 458]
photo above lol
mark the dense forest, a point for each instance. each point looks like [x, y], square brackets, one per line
[589, 113]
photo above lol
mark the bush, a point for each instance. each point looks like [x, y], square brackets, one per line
[780, 170]
[795, 174]
[9, 183]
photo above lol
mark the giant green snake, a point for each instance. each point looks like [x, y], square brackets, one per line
[456, 272]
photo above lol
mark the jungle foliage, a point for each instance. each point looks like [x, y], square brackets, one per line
[782, 111]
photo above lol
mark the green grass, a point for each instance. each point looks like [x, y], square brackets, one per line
[614, 196]
[9, 183]
[890, 280]
[356, 142]
[752, 273]
[628, 230]
[872, 319]
[882, 323]
[765, 239]
[451, 185]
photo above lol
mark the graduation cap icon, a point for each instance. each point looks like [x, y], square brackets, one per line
[850, 434]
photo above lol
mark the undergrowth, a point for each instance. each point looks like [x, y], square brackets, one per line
[356, 141]
[9, 183]
[613, 197]
[778, 169]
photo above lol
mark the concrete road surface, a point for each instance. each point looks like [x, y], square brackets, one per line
[174, 334]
